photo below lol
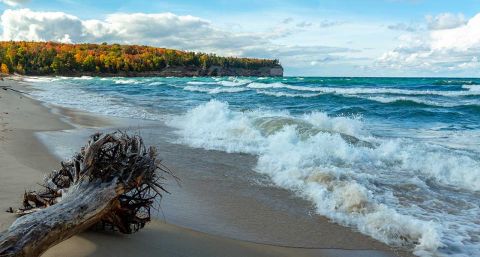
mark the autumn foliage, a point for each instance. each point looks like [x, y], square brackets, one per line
[49, 58]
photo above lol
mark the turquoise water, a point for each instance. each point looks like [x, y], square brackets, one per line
[394, 158]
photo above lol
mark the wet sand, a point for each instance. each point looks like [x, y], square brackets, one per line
[237, 210]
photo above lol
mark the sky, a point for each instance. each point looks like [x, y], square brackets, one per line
[408, 38]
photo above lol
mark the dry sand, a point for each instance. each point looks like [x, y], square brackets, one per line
[24, 161]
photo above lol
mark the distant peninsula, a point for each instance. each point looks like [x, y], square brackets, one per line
[106, 60]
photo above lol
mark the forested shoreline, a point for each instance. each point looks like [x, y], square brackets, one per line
[50, 58]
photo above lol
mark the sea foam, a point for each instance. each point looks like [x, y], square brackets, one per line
[338, 165]
[71, 96]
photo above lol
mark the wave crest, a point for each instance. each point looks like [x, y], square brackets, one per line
[335, 163]
[216, 90]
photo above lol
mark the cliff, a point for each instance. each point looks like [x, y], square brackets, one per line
[182, 71]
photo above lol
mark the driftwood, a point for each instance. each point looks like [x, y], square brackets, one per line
[111, 184]
[14, 90]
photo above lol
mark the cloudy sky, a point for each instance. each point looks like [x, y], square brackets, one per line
[310, 37]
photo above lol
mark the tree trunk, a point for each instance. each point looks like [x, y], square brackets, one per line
[112, 182]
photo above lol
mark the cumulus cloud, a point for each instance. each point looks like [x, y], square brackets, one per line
[24, 24]
[448, 47]
[14, 2]
[163, 29]
[460, 38]
[445, 21]
[159, 29]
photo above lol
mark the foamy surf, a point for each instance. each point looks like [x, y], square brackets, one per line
[70, 96]
[344, 170]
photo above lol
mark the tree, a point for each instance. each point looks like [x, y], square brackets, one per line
[89, 64]
[4, 69]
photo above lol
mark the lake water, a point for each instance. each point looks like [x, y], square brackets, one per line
[395, 158]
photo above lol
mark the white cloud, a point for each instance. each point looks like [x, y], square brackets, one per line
[24, 24]
[460, 38]
[454, 49]
[445, 21]
[14, 2]
[163, 29]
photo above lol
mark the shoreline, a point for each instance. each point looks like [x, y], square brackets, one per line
[181, 241]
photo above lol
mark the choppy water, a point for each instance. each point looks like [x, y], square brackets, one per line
[397, 159]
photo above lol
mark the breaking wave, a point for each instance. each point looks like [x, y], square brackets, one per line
[335, 163]
[216, 90]
[285, 94]
[415, 101]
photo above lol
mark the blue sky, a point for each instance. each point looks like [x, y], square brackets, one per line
[317, 38]
[400, 9]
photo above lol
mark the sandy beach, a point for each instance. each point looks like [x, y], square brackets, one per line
[24, 160]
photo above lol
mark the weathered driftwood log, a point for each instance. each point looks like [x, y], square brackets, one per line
[112, 184]
[11, 89]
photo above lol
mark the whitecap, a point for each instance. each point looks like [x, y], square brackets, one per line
[125, 81]
[216, 90]
[156, 83]
[350, 175]
[475, 88]
[285, 94]
[201, 83]
[83, 78]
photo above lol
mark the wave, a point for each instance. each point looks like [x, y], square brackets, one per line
[125, 81]
[359, 90]
[454, 82]
[335, 163]
[406, 100]
[258, 85]
[413, 101]
[231, 82]
[234, 83]
[73, 97]
[285, 94]
[216, 90]
[475, 87]
[156, 83]
[200, 83]
[83, 78]
[40, 79]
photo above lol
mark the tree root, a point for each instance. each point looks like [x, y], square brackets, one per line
[111, 184]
